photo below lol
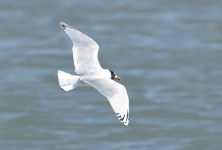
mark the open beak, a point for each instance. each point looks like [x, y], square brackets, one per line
[118, 78]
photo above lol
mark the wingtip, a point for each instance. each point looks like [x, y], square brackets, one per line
[126, 124]
[124, 120]
[64, 25]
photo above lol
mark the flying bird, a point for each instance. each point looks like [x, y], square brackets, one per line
[87, 67]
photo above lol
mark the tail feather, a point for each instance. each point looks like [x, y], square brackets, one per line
[68, 81]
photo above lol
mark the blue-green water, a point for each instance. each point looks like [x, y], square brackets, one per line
[168, 54]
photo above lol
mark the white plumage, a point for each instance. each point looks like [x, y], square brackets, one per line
[85, 55]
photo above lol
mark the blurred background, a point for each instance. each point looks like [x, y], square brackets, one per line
[168, 54]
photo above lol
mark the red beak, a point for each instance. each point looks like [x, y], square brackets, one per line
[118, 78]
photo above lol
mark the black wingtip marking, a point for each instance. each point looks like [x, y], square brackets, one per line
[63, 25]
[122, 118]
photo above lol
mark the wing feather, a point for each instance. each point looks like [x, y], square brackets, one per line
[114, 92]
[85, 50]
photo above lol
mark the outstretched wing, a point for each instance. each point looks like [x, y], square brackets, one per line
[114, 92]
[85, 50]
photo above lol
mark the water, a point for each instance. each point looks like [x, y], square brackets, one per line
[168, 54]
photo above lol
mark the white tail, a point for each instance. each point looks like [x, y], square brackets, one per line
[68, 81]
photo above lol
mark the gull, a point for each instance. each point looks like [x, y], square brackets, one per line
[90, 73]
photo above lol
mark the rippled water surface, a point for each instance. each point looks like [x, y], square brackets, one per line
[168, 54]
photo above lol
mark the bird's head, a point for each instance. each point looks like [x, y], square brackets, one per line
[114, 75]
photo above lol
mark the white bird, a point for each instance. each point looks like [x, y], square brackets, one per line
[85, 52]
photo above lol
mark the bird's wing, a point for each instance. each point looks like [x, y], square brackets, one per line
[114, 92]
[85, 50]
